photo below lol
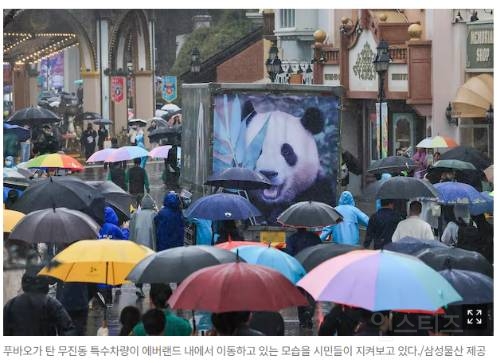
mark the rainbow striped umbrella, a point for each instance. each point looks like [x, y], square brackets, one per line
[58, 161]
[379, 280]
[437, 142]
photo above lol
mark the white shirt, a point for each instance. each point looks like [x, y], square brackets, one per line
[450, 234]
[414, 227]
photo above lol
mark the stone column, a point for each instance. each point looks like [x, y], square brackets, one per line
[144, 98]
[20, 87]
[91, 91]
[33, 89]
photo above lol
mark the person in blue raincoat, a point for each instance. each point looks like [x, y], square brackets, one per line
[347, 231]
[111, 229]
[169, 223]
[139, 139]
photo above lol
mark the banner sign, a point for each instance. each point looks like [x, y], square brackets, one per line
[117, 89]
[169, 88]
[385, 143]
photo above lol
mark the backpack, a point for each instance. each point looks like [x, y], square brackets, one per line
[468, 237]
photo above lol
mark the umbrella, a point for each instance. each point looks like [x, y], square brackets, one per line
[379, 280]
[412, 246]
[309, 214]
[32, 116]
[21, 133]
[10, 219]
[17, 172]
[62, 191]
[58, 161]
[239, 178]
[489, 173]
[55, 225]
[103, 121]
[274, 259]
[236, 286]
[222, 206]
[401, 187]
[234, 244]
[175, 264]
[137, 121]
[115, 197]
[480, 208]
[450, 193]
[88, 116]
[456, 258]
[474, 287]
[103, 261]
[437, 142]
[171, 133]
[160, 151]
[312, 256]
[453, 164]
[392, 164]
[14, 177]
[126, 153]
[100, 155]
[170, 107]
[469, 154]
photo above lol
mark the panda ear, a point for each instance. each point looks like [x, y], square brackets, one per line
[313, 120]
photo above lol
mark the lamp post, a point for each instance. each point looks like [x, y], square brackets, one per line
[449, 115]
[273, 63]
[489, 115]
[381, 63]
[195, 61]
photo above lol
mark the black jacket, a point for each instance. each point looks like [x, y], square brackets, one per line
[381, 227]
[136, 180]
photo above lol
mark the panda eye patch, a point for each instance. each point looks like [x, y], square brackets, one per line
[289, 154]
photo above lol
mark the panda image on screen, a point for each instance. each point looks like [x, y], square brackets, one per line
[290, 160]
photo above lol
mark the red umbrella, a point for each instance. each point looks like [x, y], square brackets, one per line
[236, 286]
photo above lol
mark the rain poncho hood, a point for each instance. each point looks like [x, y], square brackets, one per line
[346, 198]
[169, 223]
[172, 201]
[147, 202]
[110, 228]
[110, 216]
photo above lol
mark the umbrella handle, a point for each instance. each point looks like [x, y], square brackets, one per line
[194, 323]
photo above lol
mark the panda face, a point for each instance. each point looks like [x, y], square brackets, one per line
[289, 157]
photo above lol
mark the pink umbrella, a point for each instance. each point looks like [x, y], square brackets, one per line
[100, 155]
[160, 151]
[126, 153]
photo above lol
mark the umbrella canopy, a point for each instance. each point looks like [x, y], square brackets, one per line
[489, 171]
[392, 164]
[175, 264]
[310, 257]
[437, 142]
[160, 151]
[234, 244]
[469, 154]
[480, 208]
[474, 287]
[88, 116]
[170, 107]
[222, 206]
[59, 161]
[454, 164]
[401, 187]
[137, 121]
[10, 219]
[62, 191]
[171, 133]
[239, 178]
[274, 259]
[32, 116]
[412, 246]
[236, 286]
[455, 258]
[21, 133]
[103, 121]
[126, 153]
[115, 197]
[55, 225]
[103, 261]
[450, 193]
[100, 155]
[16, 177]
[309, 214]
[379, 280]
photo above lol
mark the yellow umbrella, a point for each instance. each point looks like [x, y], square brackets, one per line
[99, 261]
[10, 219]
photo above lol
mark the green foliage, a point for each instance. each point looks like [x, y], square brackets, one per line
[230, 25]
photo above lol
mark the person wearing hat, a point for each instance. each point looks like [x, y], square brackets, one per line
[88, 140]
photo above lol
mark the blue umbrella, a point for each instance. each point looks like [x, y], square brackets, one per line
[21, 133]
[450, 193]
[272, 258]
[411, 246]
[222, 206]
[480, 208]
[474, 287]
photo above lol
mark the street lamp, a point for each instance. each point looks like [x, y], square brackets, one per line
[449, 116]
[381, 64]
[195, 61]
[489, 115]
[273, 63]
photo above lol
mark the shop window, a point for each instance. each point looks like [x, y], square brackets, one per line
[403, 139]
[476, 136]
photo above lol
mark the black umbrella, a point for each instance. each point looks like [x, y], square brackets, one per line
[239, 178]
[474, 287]
[468, 176]
[309, 214]
[102, 121]
[402, 187]
[469, 154]
[311, 257]
[175, 264]
[115, 197]
[88, 116]
[62, 191]
[21, 133]
[412, 246]
[55, 225]
[392, 164]
[455, 258]
[171, 134]
[32, 116]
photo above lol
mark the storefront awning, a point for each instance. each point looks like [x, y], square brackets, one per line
[474, 97]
